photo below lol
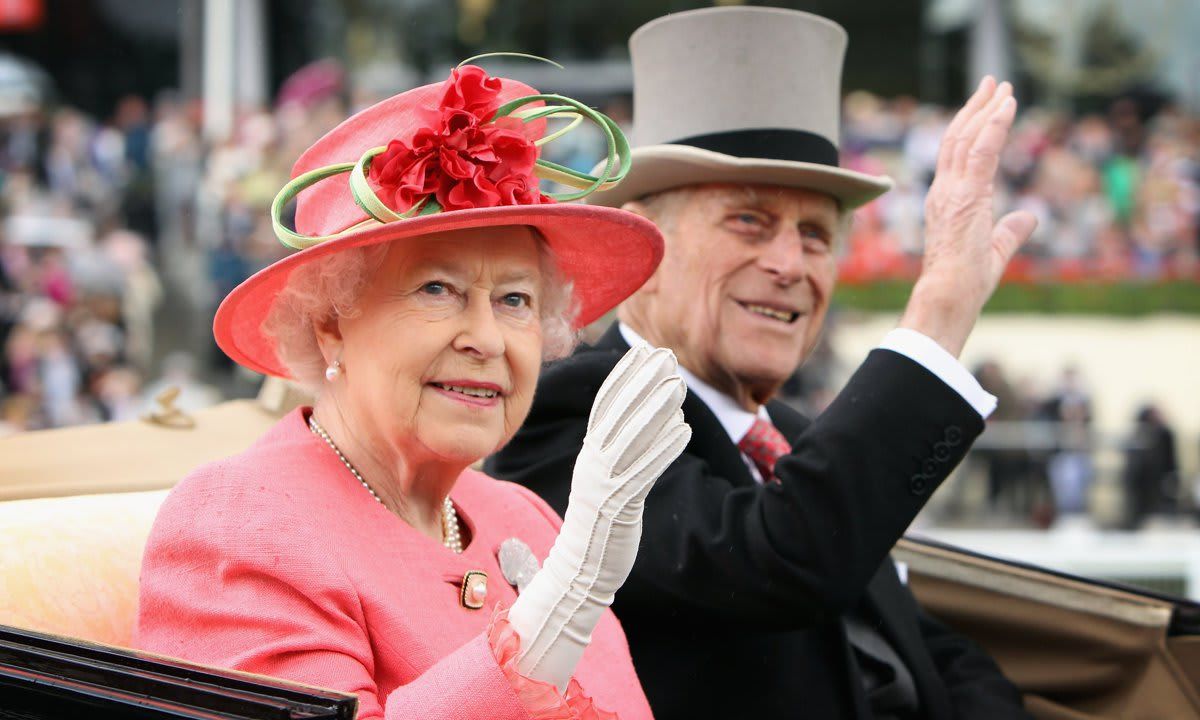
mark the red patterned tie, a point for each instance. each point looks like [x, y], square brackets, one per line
[764, 445]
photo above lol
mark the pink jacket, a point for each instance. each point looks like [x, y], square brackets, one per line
[278, 562]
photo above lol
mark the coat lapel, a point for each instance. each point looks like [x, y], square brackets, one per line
[897, 613]
[787, 420]
[711, 442]
[709, 439]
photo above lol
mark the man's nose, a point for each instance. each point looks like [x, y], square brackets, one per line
[783, 257]
[480, 335]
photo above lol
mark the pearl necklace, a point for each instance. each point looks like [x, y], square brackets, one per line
[451, 536]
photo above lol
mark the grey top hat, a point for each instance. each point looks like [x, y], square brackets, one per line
[739, 95]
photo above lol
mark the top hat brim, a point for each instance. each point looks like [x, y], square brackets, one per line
[605, 254]
[658, 168]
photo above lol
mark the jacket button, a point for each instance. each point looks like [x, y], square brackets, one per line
[953, 435]
[918, 485]
[929, 468]
[941, 451]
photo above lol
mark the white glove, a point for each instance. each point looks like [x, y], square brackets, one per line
[636, 430]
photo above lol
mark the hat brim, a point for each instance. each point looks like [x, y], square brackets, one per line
[657, 168]
[606, 254]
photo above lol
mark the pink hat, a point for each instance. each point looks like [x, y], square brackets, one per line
[452, 156]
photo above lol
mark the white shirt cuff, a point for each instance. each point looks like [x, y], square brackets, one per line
[922, 350]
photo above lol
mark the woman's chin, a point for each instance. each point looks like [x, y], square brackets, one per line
[466, 447]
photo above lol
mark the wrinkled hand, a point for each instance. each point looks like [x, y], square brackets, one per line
[635, 431]
[966, 250]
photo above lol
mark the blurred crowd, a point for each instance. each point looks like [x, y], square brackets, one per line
[78, 283]
[1039, 455]
[1040, 459]
[1117, 194]
[119, 237]
[119, 234]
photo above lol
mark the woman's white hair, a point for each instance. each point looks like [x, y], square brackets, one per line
[330, 287]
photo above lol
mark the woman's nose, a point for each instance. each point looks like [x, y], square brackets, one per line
[480, 335]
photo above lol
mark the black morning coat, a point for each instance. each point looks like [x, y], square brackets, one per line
[733, 607]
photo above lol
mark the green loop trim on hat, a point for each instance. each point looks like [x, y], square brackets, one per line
[586, 184]
[557, 106]
[527, 56]
[290, 191]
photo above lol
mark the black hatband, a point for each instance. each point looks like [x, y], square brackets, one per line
[768, 144]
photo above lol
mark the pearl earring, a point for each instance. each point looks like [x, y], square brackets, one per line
[334, 371]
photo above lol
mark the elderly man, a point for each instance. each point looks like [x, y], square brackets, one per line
[763, 587]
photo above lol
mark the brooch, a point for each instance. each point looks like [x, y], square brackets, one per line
[517, 562]
[473, 592]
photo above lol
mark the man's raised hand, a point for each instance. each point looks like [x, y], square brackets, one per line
[966, 249]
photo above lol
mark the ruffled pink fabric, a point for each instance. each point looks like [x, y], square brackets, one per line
[541, 699]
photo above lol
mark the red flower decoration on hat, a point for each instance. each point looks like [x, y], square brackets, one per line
[465, 159]
[469, 88]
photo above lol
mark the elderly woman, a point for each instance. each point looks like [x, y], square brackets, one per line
[351, 547]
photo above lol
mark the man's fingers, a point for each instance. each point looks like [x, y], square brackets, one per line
[984, 156]
[975, 127]
[1012, 231]
[983, 93]
[951, 135]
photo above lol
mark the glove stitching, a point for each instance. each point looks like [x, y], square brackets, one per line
[545, 647]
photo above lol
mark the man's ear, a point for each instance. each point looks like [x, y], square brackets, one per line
[328, 332]
[637, 207]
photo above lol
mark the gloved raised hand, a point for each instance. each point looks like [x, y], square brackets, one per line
[635, 431]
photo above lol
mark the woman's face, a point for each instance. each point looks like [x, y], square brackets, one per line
[442, 359]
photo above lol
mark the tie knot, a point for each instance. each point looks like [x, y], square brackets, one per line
[764, 444]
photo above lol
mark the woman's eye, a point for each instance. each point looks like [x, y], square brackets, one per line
[434, 288]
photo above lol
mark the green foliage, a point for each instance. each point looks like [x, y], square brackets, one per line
[1116, 298]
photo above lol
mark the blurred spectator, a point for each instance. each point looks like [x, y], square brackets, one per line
[1007, 466]
[1068, 398]
[1070, 468]
[1151, 469]
[140, 293]
[115, 393]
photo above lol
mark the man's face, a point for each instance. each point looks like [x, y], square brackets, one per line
[744, 284]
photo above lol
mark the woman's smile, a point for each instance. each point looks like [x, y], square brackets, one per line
[469, 392]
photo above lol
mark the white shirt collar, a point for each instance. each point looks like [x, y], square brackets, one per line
[733, 417]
